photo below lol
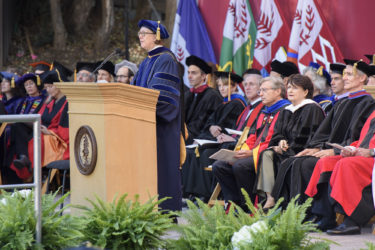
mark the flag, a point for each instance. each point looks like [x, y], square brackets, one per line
[238, 38]
[311, 38]
[272, 36]
[190, 36]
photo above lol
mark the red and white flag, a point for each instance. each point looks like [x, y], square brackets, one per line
[311, 38]
[272, 35]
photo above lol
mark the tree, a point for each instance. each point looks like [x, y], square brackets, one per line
[103, 34]
[81, 12]
[60, 34]
[170, 16]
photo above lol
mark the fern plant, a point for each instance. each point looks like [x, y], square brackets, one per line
[125, 224]
[17, 223]
[211, 228]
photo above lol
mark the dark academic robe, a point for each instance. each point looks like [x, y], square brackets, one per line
[324, 101]
[20, 134]
[201, 181]
[199, 105]
[159, 71]
[354, 199]
[342, 125]
[297, 127]
[224, 116]
[12, 107]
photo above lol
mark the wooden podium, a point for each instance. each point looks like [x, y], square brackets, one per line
[121, 118]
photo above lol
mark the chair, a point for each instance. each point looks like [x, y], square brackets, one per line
[213, 199]
[53, 167]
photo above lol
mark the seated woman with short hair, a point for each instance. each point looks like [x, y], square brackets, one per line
[296, 124]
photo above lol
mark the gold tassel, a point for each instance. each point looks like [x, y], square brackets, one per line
[158, 32]
[12, 83]
[320, 71]
[229, 86]
[58, 75]
[51, 67]
[355, 67]
[38, 80]
[75, 75]
[373, 59]
[196, 151]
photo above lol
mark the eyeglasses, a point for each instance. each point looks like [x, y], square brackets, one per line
[264, 90]
[83, 75]
[142, 33]
[122, 76]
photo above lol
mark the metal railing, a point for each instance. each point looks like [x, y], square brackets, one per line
[35, 119]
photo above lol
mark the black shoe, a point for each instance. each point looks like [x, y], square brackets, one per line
[22, 162]
[265, 210]
[326, 223]
[343, 229]
[313, 218]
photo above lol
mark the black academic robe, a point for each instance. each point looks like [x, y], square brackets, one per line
[225, 116]
[159, 71]
[297, 127]
[203, 182]
[342, 125]
[198, 108]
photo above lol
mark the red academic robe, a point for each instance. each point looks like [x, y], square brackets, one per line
[354, 170]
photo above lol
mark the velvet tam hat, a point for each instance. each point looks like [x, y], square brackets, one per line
[200, 63]
[153, 25]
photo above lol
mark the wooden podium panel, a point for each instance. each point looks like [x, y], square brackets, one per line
[122, 118]
[370, 89]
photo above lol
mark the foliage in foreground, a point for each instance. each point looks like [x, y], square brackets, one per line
[18, 221]
[211, 228]
[125, 224]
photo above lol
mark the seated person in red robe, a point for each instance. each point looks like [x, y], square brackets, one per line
[242, 173]
[350, 184]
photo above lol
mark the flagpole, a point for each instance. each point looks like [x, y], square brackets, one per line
[229, 86]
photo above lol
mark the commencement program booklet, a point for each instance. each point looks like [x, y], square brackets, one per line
[224, 155]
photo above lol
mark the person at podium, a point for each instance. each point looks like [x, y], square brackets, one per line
[159, 71]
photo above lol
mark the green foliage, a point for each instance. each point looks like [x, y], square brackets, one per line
[370, 246]
[17, 223]
[211, 228]
[125, 224]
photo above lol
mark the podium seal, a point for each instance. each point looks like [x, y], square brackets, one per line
[85, 150]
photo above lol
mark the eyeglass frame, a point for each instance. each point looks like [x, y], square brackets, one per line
[264, 90]
[143, 34]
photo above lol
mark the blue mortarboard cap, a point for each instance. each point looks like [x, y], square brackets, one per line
[153, 25]
[321, 71]
[8, 75]
[30, 76]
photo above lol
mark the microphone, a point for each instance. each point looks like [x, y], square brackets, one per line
[120, 52]
[115, 52]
